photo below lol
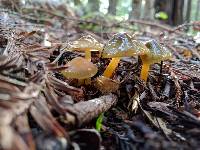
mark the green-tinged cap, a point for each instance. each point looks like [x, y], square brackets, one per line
[121, 45]
[157, 53]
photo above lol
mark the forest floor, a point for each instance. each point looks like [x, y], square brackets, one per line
[41, 109]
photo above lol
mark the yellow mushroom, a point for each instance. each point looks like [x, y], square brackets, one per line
[157, 53]
[121, 45]
[80, 68]
[86, 44]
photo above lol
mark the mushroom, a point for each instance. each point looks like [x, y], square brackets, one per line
[106, 85]
[121, 45]
[80, 68]
[86, 44]
[157, 53]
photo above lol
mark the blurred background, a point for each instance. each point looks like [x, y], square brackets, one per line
[172, 12]
[107, 16]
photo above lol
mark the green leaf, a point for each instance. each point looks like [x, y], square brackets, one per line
[161, 15]
[99, 122]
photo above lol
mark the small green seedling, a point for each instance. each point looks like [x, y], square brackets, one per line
[99, 122]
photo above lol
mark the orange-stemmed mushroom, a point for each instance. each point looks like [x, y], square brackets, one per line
[86, 44]
[157, 53]
[80, 68]
[121, 45]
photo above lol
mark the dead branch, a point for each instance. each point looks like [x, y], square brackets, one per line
[87, 110]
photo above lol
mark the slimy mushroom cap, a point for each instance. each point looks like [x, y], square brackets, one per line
[157, 53]
[86, 43]
[121, 45]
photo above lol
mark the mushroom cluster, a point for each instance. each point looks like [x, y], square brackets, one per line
[121, 45]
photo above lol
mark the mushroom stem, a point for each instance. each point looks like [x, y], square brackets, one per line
[88, 55]
[144, 71]
[111, 67]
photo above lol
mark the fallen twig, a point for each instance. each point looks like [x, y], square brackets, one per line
[87, 110]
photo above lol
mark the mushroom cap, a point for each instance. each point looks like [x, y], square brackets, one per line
[106, 85]
[121, 45]
[157, 53]
[140, 47]
[80, 68]
[86, 43]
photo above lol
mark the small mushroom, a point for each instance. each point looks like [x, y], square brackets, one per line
[86, 44]
[106, 85]
[80, 68]
[121, 45]
[157, 53]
